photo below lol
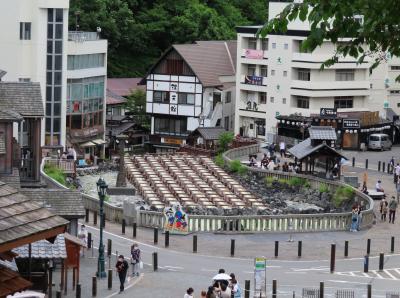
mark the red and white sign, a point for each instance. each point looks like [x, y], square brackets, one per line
[254, 54]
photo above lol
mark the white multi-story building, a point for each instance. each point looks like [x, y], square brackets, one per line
[274, 76]
[34, 48]
[191, 85]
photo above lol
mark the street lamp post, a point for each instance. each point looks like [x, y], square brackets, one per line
[101, 189]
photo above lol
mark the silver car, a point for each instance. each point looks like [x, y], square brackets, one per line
[379, 141]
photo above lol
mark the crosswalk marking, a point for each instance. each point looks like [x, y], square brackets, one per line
[386, 274]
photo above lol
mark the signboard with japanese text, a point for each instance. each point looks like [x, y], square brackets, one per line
[328, 112]
[351, 123]
[173, 109]
[260, 277]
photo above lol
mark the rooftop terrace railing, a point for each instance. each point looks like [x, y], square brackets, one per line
[81, 36]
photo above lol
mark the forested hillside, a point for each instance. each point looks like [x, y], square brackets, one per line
[138, 31]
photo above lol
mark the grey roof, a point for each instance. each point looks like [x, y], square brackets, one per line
[210, 133]
[44, 249]
[21, 218]
[322, 133]
[10, 115]
[22, 97]
[304, 149]
[63, 202]
[2, 73]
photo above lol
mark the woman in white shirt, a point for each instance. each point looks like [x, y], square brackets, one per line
[189, 293]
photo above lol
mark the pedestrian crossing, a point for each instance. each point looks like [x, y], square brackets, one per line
[386, 274]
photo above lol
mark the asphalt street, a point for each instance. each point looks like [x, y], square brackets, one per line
[179, 270]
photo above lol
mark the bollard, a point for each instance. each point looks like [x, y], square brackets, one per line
[299, 248]
[383, 167]
[194, 243]
[134, 230]
[87, 215]
[166, 239]
[94, 286]
[353, 162]
[379, 166]
[381, 259]
[232, 247]
[247, 289]
[95, 218]
[109, 247]
[58, 294]
[155, 261]
[321, 289]
[155, 235]
[276, 248]
[89, 240]
[388, 168]
[368, 246]
[392, 245]
[333, 257]
[274, 288]
[369, 291]
[366, 164]
[110, 276]
[346, 249]
[78, 291]
[123, 226]
[366, 263]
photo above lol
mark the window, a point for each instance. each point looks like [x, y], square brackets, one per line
[345, 75]
[303, 102]
[272, 99]
[85, 61]
[264, 44]
[174, 66]
[303, 74]
[264, 70]
[274, 45]
[228, 97]
[24, 80]
[299, 45]
[186, 98]
[252, 44]
[343, 102]
[272, 72]
[24, 31]
[251, 70]
[286, 46]
[161, 96]
[285, 73]
[394, 91]
[226, 123]
[262, 98]
[170, 126]
[284, 100]
[395, 67]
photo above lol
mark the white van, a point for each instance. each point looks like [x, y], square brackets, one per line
[379, 141]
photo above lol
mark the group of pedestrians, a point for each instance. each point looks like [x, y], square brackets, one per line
[122, 266]
[225, 287]
[391, 207]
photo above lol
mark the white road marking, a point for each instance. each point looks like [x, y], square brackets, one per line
[390, 275]
[321, 268]
[387, 274]
[173, 267]
[130, 285]
[377, 274]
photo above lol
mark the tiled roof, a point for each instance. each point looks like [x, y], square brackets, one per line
[21, 218]
[24, 98]
[63, 202]
[304, 149]
[113, 98]
[210, 133]
[123, 86]
[11, 282]
[44, 249]
[322, 133]
[10, 115]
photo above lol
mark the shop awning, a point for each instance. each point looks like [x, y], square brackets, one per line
[99, 142]
[87, 144]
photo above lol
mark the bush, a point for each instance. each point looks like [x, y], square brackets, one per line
[224, 140]
[269, 180]
[219, 161]
[283, 181]
[323, 187]
[55, 173]
[296, 181]
[342, 195]
[235, 165]
[243, 170]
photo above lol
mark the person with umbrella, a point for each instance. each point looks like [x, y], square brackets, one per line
[221, 282]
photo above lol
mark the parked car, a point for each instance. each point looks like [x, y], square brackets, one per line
[379, 141]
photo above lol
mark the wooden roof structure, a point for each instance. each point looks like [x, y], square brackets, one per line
[11, 282]
[23, 221]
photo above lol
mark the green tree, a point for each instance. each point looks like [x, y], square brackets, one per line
[224, 140]
[136, 104]
[372, 25]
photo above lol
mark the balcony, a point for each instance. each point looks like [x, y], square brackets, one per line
[314, 61]
[81, 36]
[329, 88]
[250, 56]
[253, 83]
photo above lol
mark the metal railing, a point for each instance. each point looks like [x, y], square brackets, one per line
[81, 36]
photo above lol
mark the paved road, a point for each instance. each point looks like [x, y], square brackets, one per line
[179, 270]
[373, 157]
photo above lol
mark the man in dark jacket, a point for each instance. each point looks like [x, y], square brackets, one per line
[122, 269]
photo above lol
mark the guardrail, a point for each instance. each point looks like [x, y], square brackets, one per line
[68, 166]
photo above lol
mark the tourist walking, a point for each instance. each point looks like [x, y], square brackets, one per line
[354, 219]
[392, 209]
[82, 235]
[398, 189]
[383, 208]
[397, 172]
[391, 167]
[122, 269]
[282, 148]
[135, 259]
[189, 293]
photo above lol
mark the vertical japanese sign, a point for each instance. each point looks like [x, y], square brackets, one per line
[260, 277]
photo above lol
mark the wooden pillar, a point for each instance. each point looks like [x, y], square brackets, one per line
[35, 139]
[65, 280]
[73, 278]
[62, 275]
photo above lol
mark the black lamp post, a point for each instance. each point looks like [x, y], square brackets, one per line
[101, 189]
